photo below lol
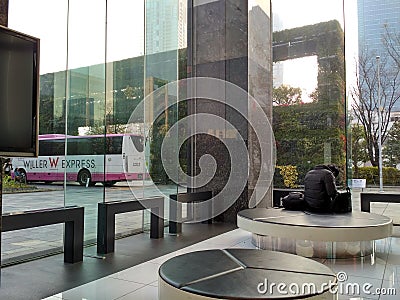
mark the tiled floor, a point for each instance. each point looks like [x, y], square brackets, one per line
[380, 271]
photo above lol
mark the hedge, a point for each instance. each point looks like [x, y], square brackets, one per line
[391, 176]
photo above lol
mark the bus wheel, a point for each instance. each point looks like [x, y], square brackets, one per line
[23, 177]
[83, 177]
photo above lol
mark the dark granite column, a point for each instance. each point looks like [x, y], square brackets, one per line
[4, 12]
[1, 203]
[4, 22]
[230, 40]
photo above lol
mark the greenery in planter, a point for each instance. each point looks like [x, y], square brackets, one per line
[11, 184]
[289, 175]
[301, 133]
[391, 176]
[309, 134]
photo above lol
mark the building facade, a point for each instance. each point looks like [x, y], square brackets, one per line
[376, 19]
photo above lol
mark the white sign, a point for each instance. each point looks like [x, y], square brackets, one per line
[358, 183]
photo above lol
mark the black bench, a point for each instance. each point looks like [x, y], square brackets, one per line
[243, 274]
[72, 216]
[367, 198]
[175, 208]
[106, 220]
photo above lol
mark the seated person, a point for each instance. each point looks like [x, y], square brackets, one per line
[320, 189]
[18, 176]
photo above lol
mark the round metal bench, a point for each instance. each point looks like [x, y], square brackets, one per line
[244, 274]
[315, 234]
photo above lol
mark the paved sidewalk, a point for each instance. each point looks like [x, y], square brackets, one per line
[21, 244]
[43, 240]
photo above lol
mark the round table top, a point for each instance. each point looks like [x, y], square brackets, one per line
[245, 274]
[354, 226]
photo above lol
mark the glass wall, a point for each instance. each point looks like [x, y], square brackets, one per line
[309, 89]
[99, 60]
[103, 60]
[47, 20]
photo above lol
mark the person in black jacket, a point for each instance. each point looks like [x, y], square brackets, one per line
[320, 188]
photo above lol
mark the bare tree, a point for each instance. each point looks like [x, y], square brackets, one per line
[391, 40]
[358, 146]
[366, 103]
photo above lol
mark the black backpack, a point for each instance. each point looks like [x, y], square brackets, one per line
[342, 202]
[294, 201]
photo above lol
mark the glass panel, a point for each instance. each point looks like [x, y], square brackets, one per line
[260, 87]
[36, 18]
[165, 33]
[374, 93]
[124, 86]
[309, 88]
[90, 85]
[85, 110]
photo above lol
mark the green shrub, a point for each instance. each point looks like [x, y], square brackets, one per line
[9, 183]
[391, 176]
[288, 176]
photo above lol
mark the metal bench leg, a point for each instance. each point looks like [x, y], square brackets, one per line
[73, 241]
[157, 222]
[365, 205]
[175, 213]
[105, 230]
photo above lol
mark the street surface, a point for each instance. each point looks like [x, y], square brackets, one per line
[41, 240]
[23, 244]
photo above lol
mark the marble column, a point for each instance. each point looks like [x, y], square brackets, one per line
[4, 12]
[4, 22]
[231, 40]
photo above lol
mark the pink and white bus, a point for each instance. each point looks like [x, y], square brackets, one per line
[90, 159]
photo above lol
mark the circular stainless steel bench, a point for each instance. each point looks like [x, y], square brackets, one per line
[244, 274]
[315, 234]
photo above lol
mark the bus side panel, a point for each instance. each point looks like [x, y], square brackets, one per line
[41, 168]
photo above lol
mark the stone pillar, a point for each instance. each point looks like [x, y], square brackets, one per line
[4, 12]
[230, 40]
[4, 22]
[1, 204]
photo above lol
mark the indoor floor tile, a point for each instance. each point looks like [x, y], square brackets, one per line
[145, 293]
[369, 274]
[106, 288]
[145, 273]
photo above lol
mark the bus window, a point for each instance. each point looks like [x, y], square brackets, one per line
[138, 142]
[97, 145]
[51, 147]
[114, 145]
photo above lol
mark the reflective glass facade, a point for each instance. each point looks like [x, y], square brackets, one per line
[373, 15]
[102, 59]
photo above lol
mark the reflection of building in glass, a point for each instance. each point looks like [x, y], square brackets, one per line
[373, 16]
[83, 110]
[277, 22]
[312, 133]
[165, 25]
[87, 102]
[278, 74]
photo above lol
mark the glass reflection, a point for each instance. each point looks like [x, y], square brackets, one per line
[124, 91]
[309, 89]
[47, 20]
